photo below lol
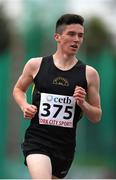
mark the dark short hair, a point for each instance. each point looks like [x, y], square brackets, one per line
[68, 19]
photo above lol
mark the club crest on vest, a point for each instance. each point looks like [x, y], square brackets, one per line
[61, 81]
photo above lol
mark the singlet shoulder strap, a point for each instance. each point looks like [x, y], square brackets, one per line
[44, 64]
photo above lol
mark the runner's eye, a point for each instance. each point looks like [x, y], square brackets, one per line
[71, 33]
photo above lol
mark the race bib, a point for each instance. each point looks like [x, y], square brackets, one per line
[56, 110]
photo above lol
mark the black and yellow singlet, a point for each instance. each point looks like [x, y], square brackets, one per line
[54, 125]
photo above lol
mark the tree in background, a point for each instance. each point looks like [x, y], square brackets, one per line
[5, 31]
[97, 37]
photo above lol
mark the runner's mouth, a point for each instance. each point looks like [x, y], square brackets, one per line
[74, 46]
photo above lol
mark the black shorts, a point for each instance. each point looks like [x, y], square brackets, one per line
[60, 163]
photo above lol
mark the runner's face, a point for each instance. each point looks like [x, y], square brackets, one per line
[70, 39]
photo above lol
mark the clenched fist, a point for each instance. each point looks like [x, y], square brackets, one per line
[79, 95]
[29, 111]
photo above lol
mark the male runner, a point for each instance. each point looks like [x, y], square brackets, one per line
[64, 89]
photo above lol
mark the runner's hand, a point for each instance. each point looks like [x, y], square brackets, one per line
[29, 111]
[79, 95]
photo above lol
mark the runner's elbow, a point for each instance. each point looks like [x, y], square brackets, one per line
[97, 117]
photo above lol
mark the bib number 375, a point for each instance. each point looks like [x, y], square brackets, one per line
[56, 110]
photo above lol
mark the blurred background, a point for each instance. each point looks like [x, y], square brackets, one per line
[26, 31]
